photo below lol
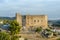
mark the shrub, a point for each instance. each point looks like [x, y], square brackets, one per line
[38, 29]
[58, 39]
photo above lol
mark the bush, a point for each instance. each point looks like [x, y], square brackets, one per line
[48, 30]
[38, 29]
[14, 38]
[25, 39]
[4, 36]
[58, 39]
[14, 27]
[55, 33]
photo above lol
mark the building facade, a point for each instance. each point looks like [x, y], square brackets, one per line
[32, 20]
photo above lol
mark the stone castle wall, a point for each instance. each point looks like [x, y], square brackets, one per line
[33, 20]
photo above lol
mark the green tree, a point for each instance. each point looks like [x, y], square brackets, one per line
[5, 21]
[4, 36]
[49, 30]
[14, 27]
[14, 38]
[38, 29]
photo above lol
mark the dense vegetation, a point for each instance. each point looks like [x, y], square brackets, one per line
[38, 29]
[14, 29]
[4, 36]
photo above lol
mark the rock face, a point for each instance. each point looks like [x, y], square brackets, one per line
[30, 21]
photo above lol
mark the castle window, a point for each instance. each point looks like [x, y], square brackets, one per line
[38, 20]
[34, 20]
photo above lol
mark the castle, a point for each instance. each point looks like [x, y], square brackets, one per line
[32, 20]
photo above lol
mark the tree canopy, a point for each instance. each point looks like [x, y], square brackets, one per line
[38, 29]
[4, 36]
[14, 27]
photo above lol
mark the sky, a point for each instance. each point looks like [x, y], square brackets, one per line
[8, 8]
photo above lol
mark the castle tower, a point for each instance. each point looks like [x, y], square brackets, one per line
[19, 18]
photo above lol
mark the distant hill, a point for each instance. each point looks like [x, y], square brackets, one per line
[8, 18]
[55, 22]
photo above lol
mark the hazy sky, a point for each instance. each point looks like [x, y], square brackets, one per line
[48, 7]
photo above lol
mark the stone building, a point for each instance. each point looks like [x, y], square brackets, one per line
[32, 20]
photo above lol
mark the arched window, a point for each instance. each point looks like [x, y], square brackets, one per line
[34, 20]
[38, 21]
